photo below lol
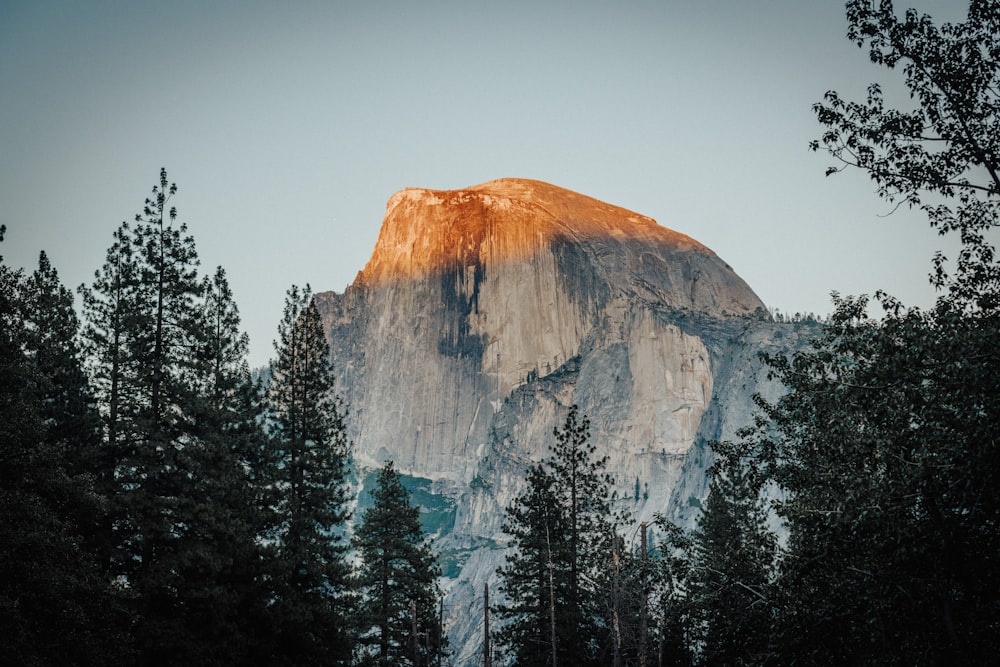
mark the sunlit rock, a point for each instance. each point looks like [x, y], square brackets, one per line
[484, 313]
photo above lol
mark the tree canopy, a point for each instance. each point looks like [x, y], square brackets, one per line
[881, 457]
[398, 624]
[307, 460]
[554, 584]
[942, 153]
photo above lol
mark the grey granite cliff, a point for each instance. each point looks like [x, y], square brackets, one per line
[484, 313]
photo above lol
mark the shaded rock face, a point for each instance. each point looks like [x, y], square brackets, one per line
[484, 313]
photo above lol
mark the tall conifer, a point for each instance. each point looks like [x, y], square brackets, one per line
[165, 352]
[732, 560]
[56, 607]
[51, 331]
[537, 526]
[108, 305]
[397, 579]
[564, 523]
[219, 558]
[308, 464]
[154, 469]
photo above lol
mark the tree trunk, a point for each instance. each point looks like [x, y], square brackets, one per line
[616, 601]
[552, 599]
[645, 600]
[413, 633]
[486, 625]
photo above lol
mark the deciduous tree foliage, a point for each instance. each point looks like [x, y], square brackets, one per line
[943, 154]
[886, 447]
[883, 451]
[886, 441]
[397, 579]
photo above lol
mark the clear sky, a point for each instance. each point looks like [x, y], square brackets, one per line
[288, 125]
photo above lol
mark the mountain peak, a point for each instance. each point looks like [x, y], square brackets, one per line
[429, 231]
[485, 312]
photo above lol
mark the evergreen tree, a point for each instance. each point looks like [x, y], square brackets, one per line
[51, 330]
[583, 490]
[142, 310]
[56, 607]
[563, 533]
[672, 618]
[731, 563]
[165, 351]
[650, 624]
[528, 578]
[108, 306]
[307, 464]
[73, 429]
[397, 579]
[219, 558]
[140, 341]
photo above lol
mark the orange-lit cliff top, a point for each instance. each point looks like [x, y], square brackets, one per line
[508, 219]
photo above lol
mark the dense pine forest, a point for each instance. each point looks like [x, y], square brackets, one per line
[160, 504]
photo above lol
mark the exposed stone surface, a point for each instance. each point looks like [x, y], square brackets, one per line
[485, 313]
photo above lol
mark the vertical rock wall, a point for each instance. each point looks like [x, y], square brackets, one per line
[485, 313]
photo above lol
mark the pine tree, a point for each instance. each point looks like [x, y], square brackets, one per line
[671, 626]
[143, 313]
[164, 351]
[219, 558]
[139, 341]
[646, 584]
[73, 428]
[536, 524]
[564, 521]
[307, 464]
[732, 559]
[108, 307]
[583, 489]
[398, 580]
[56, 607]
[51, 334]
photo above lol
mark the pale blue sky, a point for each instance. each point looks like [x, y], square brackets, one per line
[288, 125]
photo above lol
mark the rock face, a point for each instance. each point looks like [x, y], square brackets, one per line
[484, 313]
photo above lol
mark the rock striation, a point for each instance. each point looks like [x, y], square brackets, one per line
[484, 313]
